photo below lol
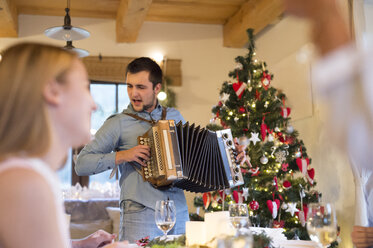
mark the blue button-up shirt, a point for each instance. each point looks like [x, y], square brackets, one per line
[120, 132]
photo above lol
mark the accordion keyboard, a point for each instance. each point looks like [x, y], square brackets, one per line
[148, 170]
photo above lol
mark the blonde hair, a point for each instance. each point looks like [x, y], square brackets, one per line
[25, 70]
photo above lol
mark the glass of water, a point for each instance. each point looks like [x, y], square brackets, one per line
[239, 216]
[165, 216]
[322, 223]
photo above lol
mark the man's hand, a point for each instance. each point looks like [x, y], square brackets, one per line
[362, 236]
[241, 157]
[139, 154]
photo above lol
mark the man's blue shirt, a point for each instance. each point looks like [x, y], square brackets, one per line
[120, 132]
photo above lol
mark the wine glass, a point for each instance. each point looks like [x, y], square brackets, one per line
[165, 216]
[239, 216]
[322, 223]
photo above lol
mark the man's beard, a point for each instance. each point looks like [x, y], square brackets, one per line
[150, 105]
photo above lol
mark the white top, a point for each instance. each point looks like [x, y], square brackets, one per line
[51, 178]
[345, 80]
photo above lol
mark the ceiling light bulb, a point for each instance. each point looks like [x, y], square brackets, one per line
[158, 57]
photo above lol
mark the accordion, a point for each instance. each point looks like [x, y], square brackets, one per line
[191, 158]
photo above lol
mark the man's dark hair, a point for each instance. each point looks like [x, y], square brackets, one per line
[149, 65]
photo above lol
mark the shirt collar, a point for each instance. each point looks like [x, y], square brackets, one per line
[158, 107]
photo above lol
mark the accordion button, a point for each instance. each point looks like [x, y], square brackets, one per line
[236, 170]
[236, 178]
[229, 142]
[225, 135]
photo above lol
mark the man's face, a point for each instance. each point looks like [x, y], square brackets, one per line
[140, 91]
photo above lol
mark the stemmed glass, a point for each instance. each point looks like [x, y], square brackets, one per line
[165, 216]
[322, 223]
[239, 216]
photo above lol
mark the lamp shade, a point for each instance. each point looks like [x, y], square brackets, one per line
[63, 33]
[81, 52]
[67, 32]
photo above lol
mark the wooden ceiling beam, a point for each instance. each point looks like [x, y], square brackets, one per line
[8, 19]
[256, 14]
[130, 17]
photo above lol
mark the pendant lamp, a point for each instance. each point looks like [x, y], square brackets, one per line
[67, 32]
[81, 52]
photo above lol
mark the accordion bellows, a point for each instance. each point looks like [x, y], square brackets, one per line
[191, 158]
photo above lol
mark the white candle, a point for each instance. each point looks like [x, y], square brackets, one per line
[195, 232]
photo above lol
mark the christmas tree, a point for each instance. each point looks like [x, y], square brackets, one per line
[278, 179]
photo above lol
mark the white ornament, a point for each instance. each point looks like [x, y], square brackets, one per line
[214, 204]
[254, 138]
[270, 138]
[264, 160]
[250, 89]
[239, 66]
[284, 206]
[224, 97]
[289, 129]
[236, 119]
[277, 129]
[245, 193]
[280, 156]
[302, 218]
[292, 208]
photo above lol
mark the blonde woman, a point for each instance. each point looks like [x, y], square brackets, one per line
[45, 107]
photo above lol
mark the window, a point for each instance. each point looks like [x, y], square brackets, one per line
[110, 98]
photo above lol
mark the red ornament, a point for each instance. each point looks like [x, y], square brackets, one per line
[303, 164]
[254, 205]
[221, 193]
[257, 95]
[220, 104]
[278, 224]
[218, 114]
[285, 112]
[239, 88]
[284, 167]
[206, 199]
[266, 80]
[263, 130]
[242, 110]
[273, 207]
[286, 184]
[237, 196]
[310, 175]
[245, 129]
